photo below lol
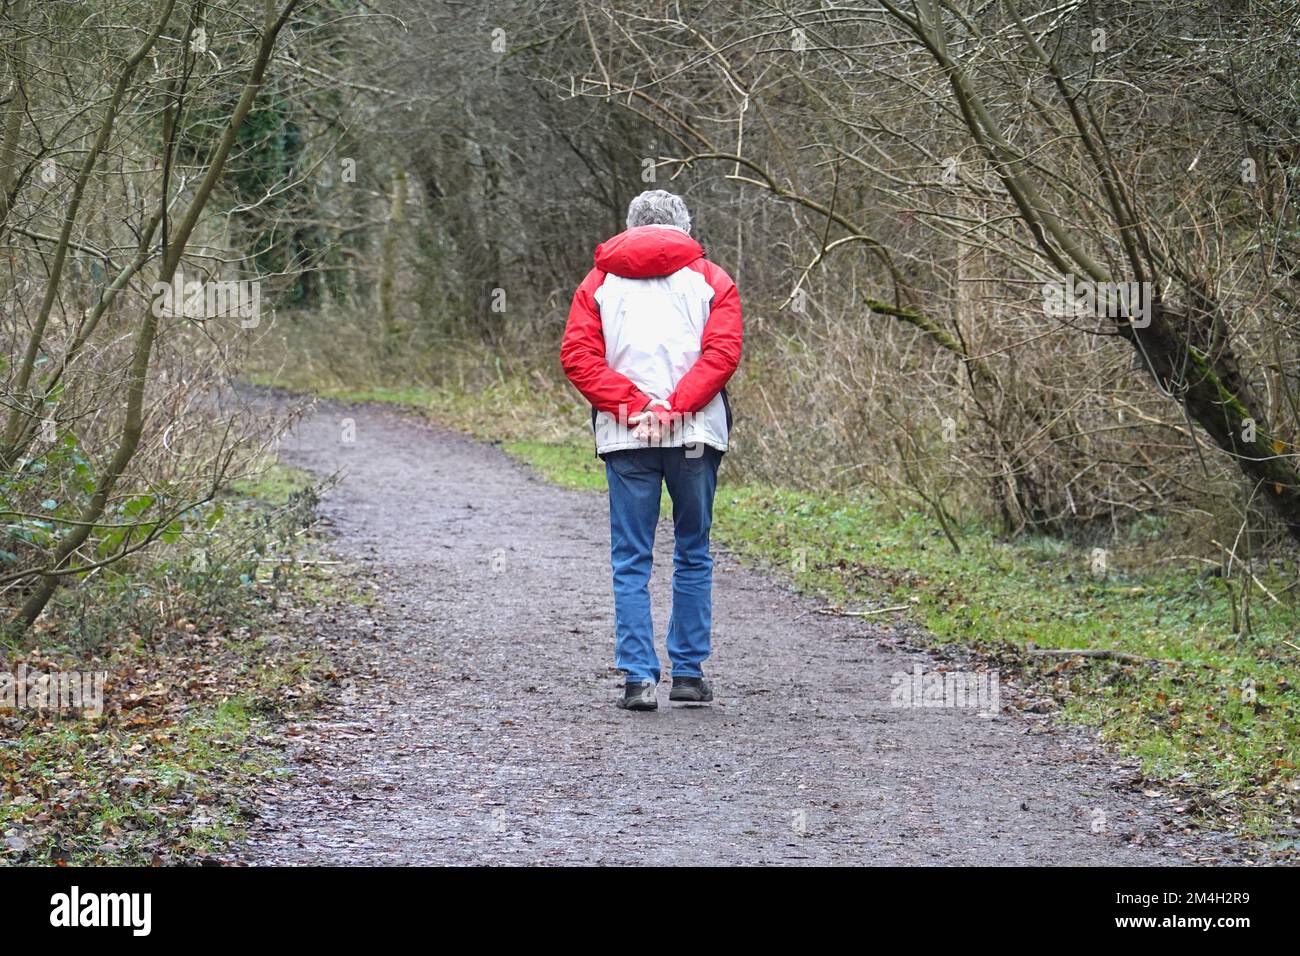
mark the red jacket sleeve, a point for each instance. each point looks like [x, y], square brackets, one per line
[582, 353]
[719, 345]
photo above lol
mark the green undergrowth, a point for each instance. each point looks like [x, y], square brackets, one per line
[197, 682]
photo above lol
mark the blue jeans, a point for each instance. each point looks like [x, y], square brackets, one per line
[635, 476]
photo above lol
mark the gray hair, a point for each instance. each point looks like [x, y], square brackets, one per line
[658, 207]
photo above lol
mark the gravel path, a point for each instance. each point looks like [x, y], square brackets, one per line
[481, 726]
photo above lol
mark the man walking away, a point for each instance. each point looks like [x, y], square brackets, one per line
[653, 335]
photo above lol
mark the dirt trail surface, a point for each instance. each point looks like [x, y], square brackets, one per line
[481, 727]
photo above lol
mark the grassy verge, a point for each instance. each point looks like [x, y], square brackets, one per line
[195, 688]
[1216, 723]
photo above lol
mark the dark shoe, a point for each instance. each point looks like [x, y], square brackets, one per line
[639, 695]
[691, 690]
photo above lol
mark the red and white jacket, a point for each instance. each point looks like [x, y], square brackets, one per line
[654, 320]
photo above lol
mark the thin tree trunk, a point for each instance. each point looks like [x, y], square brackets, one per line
[133, 423]
[14, 117]
[21, 412]
[388, 263]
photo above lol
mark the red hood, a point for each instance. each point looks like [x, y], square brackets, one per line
[644, 252]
